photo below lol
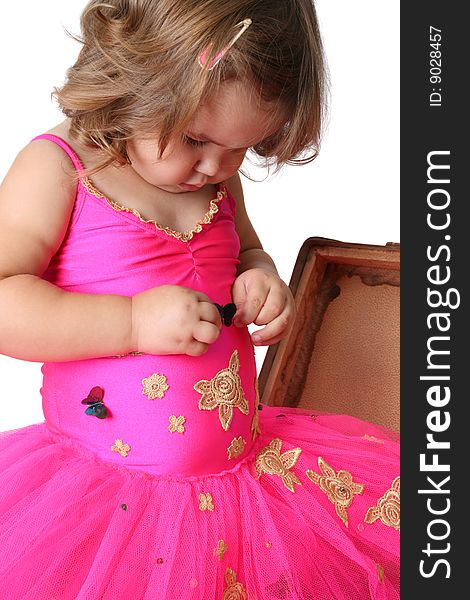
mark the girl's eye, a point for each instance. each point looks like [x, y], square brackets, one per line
[193, 142]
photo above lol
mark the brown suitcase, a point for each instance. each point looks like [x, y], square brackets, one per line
[342, 355]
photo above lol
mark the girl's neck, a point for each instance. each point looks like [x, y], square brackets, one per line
[124, 186]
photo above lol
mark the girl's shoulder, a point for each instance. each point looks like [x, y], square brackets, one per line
[61, 133]
[36, 201]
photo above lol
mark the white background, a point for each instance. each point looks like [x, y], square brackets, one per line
[349, 193]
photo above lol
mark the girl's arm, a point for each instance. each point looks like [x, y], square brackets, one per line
[251, 254]
[260, 295]
[39, 321]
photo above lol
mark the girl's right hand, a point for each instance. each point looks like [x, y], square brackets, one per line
[171, 319]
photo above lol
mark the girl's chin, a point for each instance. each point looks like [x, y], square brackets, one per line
[187, 187]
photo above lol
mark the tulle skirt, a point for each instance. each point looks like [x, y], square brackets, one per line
[313, 513]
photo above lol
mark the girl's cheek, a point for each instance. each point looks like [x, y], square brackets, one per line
[232, 163]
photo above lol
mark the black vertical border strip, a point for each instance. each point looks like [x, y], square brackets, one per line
[425, 129]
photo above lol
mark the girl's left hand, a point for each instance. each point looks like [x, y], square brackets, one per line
[262, 298]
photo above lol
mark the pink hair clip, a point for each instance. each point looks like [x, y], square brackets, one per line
[202, 58]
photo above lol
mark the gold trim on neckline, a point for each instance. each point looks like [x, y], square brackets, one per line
[182, 236]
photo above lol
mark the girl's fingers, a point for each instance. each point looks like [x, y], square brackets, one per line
[249, 310]
[274, 331]
[201, 296]
[206, 332]
[273, 307]
[208, 312]
[239, 298]
[196, 348]
[271, 341]
[238, 292]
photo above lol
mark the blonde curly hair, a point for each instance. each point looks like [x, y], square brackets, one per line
[138, 71]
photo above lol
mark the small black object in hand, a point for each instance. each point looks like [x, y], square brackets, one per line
[96, 407]
[227, 312]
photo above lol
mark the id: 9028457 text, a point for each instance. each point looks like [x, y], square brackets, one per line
[435, 66]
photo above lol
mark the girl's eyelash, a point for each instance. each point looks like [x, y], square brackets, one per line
[192, 141]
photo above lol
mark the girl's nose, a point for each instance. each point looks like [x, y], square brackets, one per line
[208, 165]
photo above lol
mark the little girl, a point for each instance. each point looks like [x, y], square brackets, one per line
[129, 266]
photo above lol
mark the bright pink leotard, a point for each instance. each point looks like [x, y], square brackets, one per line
[185, 490]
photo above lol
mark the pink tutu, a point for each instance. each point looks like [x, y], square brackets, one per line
[186, 490]
[73, 527]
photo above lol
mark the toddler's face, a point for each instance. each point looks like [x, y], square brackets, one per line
[212, 147]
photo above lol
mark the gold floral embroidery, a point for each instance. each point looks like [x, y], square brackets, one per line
[182, 236]
[223, 391]
[339, 487]
[176, 424]
[380, 572]
[154, 386]
[255, 430]
[237, 445]
[221, 549]
[387, 508]
[234, 590]
[205, 502]
[122, 449]
[270, 460]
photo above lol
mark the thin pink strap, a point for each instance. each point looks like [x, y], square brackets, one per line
[77, 163]
[230, 199]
